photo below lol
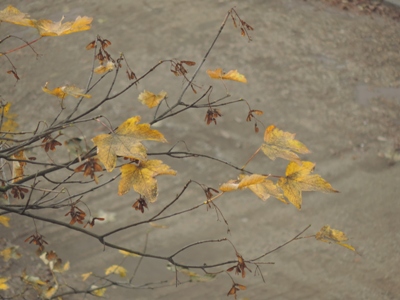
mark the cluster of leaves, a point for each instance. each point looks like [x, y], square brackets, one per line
[121, 150]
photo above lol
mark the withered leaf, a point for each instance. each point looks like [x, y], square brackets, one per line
[327, 234]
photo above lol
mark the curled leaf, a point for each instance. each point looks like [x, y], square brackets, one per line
[109, 66]
[62, 91]
[86, 275]
[99, 292]
[50, 28]
[327, 234]
[126, 253]
[231, 75]
[258, 184]
[18, 165]
[115, 269]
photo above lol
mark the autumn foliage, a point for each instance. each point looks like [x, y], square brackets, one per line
[120, 150]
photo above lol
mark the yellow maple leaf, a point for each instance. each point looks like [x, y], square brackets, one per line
[50, 28]
[258, 184]
[156, 225]
[66, 266]
[109, 66]
[99, 291]
[8, 124]
[115, 269]
[125, 141]
[327, 234]
[10, 253]
[49, 292]
[62, 91]
[4, 221]
[86, 275]
[229, 186]
[194, 277]
[231, 75]
[33, 280]
[3, 285]
[141, 178]
[18, 166]
[12, 15]
[282, 144]
[126, 253]
[298, 179]
[150, 99]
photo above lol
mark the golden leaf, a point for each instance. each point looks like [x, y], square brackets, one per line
[327, 234]
[66, 266]
[231, 75]
[115, 269]
[150, 99]
[194, 277]
[8, 124]
[12, 15]
[126, 253]
[282, 144]
[99, 291]
[47, 294]
[57, 266]
[258, 184]
[18, 166]
[125, 141]
[141, 178]
[86, 275]
[62, 91]
[231, 185]
[248, 180]
[298, 179]
[156, 225]
[104, 68]
[50, 28]
[3, 285]
[10, 253]
[263, 189]
[4, 221]
[32, 280]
